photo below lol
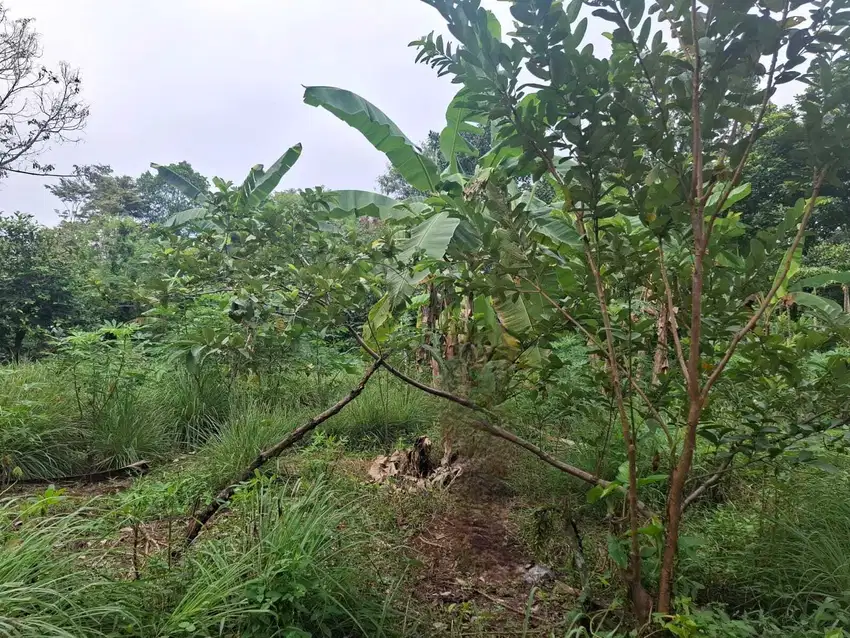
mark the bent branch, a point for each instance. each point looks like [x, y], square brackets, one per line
[495, 430]
[224, 496]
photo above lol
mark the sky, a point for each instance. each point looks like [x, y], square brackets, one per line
[218, 83]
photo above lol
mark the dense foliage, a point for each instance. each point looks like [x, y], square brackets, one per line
[626, 274]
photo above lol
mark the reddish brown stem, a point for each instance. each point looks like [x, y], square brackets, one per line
[683, 467]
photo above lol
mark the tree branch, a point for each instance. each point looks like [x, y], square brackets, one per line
[490, 428]
[780, 279]
[224, 496]
[671, 315]
[708, 483]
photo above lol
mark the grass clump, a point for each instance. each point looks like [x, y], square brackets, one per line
[293, 567]
[41, 434]
[386, 411]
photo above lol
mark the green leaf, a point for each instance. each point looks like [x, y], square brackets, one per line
[382, 133]
[259, 184]
[738, 193]
[177, 181]
[829, 468]
[793, 269]
[594, 494]
[366, 203]
[431, 237]
[458, 120]
[377, 326]
[826, 308]
[617, 552]
[558, 230]
[186, 216]
[823, 279]
[513, 315]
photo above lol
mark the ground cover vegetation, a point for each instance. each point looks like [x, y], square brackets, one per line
[603, 312]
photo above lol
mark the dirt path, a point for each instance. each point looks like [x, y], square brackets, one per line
[475, 570]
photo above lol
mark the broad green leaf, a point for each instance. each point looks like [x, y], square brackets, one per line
[558, 230]
[186, 216]
[458, 120]
[378, 324]
[794, 268]
[513, 315]
[493, 25]
[826, 308]
[259, 184]
[738, 193]
[366, 203]
[177, 181]
[431, 237]
[382, 133]
[402, 285]
[823, 279]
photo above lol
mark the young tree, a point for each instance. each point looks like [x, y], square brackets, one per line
[645, 149]
[37, 105]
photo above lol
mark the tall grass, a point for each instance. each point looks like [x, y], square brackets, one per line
[41, 433]
[387, 411]
[252, 427]
[43, 591]
[293, 567]
[786, 548]
[190, 406]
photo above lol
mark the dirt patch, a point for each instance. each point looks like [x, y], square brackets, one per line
[475, 571]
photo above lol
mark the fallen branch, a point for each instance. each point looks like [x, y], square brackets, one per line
[134, 469]
[494, 430]
[224, 496]
[699, 491]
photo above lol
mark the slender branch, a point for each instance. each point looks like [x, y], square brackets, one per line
[224, 496]
[490, 428]
[739, 170]
[416, 384]
[7, 169]
[655, 413]
[693, 496]
[671, 315]
[766, 302]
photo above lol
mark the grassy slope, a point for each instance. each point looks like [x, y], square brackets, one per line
[330, 555]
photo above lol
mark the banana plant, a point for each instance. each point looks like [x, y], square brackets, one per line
[251, 195]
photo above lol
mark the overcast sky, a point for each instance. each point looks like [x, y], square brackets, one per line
[219, 83]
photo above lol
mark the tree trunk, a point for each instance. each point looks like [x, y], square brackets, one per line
[846, 290]
[19, 345]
